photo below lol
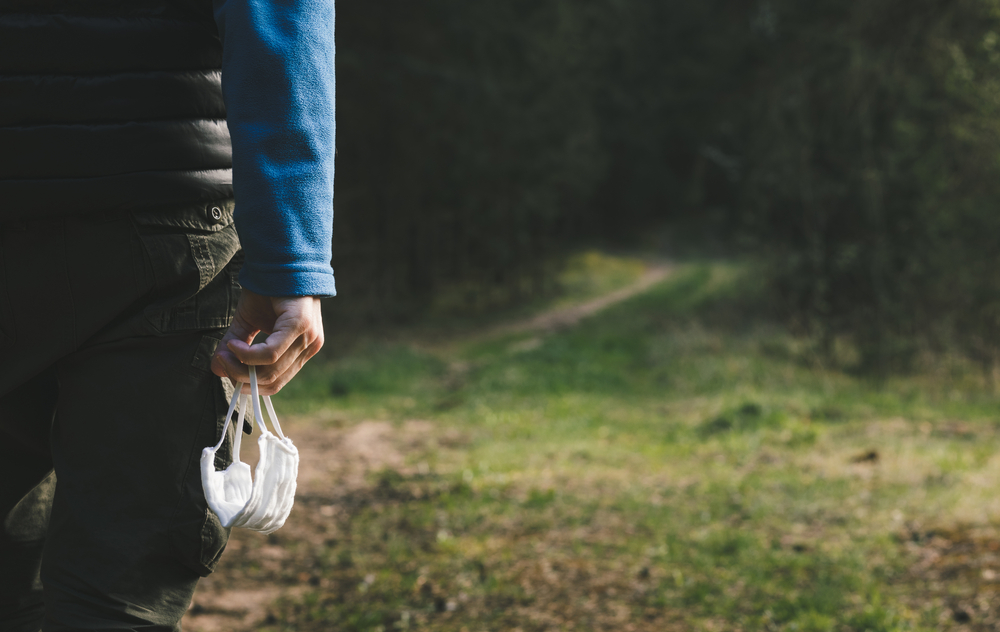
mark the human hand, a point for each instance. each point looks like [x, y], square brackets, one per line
[295, 333]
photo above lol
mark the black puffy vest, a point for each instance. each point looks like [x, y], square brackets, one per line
[110, 105]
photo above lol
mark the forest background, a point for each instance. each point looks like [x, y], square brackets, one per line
[851, 149]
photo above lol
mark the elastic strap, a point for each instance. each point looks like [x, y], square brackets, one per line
[273, 416]
[229, 415]
[239, 429]
[256, 400]
[267, 402]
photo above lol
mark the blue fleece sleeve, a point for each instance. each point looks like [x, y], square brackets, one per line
[278, 83]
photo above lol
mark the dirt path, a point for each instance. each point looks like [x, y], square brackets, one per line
[333, 482]
[255, 569]
[564, 317]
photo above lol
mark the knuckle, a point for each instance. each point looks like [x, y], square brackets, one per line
[266, 379]
[277, 386]
[273, 387]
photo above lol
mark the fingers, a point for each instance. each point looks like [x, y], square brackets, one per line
[274, 348]
[224, 361]
[270, 377]
[296, 336]
[274, 380]
[226, 364]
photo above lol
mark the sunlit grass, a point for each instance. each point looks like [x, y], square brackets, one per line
[664, 465]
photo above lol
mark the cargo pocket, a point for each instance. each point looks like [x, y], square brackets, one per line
[194, 256]
[201, 543]
[198, 536]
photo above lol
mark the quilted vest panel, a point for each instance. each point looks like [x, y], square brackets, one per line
[110, 105]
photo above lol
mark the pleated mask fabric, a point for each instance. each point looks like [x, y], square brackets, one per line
[261, 503]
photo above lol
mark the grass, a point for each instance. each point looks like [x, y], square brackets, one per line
[672, 463]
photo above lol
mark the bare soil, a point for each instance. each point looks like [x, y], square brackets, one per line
[334, 482]
[333, 466]
[955, 575]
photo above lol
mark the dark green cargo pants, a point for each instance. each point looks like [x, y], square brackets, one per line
[107, 327]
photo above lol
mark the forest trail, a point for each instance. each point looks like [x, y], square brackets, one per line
[334, 483]
[568, 316]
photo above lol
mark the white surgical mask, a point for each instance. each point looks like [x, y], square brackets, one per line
[264, 502]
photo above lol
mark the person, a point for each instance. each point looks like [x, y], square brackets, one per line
[166, 184]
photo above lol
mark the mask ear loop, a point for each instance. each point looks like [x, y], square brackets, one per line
[267, 403]
[273, 417]
[229, 416]
[239, 428]
[256, 401]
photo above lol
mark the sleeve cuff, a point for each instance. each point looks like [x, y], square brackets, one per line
[284, 282]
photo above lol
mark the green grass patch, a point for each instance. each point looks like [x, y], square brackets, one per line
[672, 463]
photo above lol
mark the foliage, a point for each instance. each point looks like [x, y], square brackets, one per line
[855, 146]
[467, 132]
[479, 142]
[874, 153]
